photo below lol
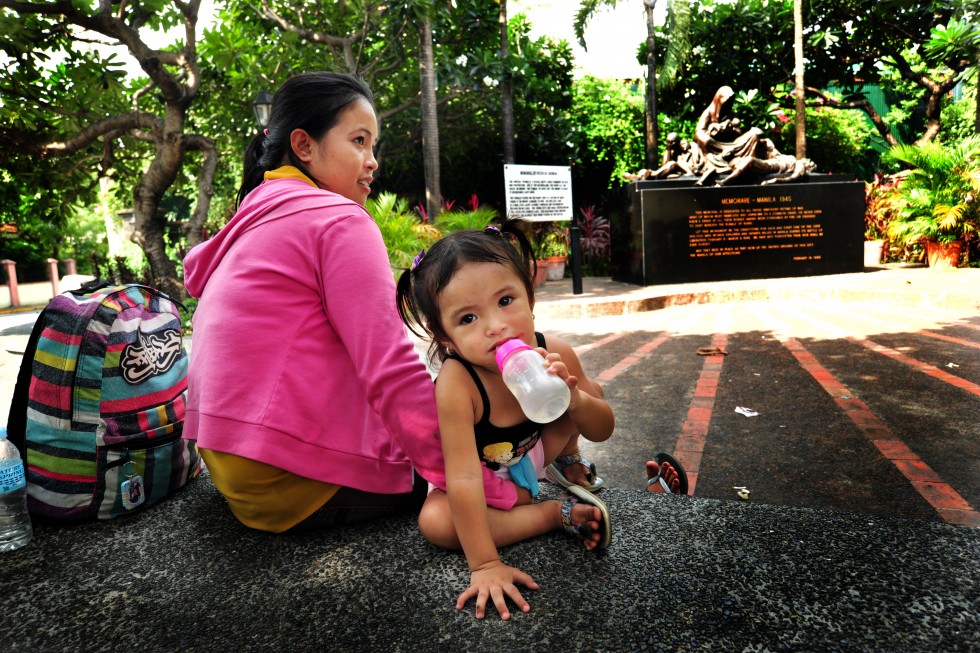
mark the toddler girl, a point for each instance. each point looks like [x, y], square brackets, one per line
[470, 293]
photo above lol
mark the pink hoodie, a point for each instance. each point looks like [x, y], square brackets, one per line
[299, 358]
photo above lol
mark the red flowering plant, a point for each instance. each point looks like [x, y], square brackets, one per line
[594, 239]
[880, 206]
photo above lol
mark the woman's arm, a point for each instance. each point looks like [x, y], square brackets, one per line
[352, 263]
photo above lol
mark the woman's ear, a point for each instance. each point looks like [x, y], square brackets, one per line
[302, 145]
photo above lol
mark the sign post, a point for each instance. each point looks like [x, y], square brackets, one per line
[544, 194]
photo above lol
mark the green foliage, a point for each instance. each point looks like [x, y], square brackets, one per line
[402, 231]
[959, 116]
[850, 44]
[938, 197]
[470, 70]
[755, 110]
[951, 40]
[549, 239]
[607, 128]
[836, 140]
[461, 220]
[755, 52]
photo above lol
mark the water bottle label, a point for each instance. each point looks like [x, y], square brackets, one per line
[12, 476]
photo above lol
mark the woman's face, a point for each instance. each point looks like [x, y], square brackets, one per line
[342, 161]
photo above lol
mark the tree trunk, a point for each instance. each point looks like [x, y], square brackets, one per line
[506, 90]
[194, 229]
[652, 160]
[976, 118]
[800, 88]
[150, 224]
[430, 120]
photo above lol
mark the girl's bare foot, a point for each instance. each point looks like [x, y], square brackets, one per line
[586, 517]
[573, 469]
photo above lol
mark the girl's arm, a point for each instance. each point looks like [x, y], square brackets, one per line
[489, 577]
[592, 416]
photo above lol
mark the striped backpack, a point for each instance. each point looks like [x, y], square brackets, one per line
[98, 408]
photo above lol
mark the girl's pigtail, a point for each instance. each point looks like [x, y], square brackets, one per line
[405, 301]
[514, 228]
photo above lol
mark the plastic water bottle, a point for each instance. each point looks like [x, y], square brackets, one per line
[543, 396]
[15, 522]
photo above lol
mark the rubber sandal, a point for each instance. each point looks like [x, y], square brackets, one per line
[578, 494]
[682, 486]
[554, 473]
[711, 351]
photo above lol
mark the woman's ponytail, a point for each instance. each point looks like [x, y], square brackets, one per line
[253, 173]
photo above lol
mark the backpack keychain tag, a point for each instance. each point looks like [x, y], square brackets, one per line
[131, 489]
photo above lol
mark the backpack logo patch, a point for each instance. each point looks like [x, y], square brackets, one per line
[150, 355]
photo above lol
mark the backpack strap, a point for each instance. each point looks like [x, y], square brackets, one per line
[17, 419]
[90, 287]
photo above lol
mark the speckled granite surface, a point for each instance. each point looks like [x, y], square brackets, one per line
[682, 574]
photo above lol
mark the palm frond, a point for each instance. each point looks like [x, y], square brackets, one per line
[679, 46]
[947, 217]
[586, 10]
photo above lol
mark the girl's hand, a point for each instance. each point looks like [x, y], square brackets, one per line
[557, 366]
[496, 580]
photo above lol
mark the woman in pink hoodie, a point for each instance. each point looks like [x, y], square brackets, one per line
[307, 399]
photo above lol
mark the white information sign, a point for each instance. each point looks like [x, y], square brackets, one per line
[538, 193]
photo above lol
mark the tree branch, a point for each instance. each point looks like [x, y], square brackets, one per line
[863, 105]
[205, 187]
[123, 122]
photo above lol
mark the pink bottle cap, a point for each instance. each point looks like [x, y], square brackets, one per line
[508, 348]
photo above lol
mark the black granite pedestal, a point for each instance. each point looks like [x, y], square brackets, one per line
[676, 232]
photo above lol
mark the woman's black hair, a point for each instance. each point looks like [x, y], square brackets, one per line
[419, 288]
[309, 101]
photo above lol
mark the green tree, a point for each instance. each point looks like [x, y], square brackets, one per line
[605, 129]
[678, 21]
[755, 54]
[857, 39]
[470, 107]
[49, 109]
[851, 45]
[506, 89]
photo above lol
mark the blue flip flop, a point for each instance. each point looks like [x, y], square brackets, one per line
[554, 473]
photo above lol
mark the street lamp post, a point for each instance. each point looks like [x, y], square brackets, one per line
[262, 107]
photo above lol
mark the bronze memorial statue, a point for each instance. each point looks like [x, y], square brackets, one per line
[723, 151]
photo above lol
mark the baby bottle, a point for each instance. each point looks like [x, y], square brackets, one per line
[543, 396]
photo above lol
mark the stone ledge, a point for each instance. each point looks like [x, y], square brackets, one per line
[683, 573]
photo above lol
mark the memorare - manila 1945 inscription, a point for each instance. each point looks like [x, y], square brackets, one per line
[675, 232]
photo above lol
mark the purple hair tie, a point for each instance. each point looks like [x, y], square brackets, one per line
[490, 229]
[418, 259]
